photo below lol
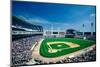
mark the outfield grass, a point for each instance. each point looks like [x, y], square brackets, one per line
[44, 47]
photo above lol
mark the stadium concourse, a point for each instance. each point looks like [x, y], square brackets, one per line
[26, 45]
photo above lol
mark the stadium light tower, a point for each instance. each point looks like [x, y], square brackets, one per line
[91, 28]
[92, 20]
[83, 29]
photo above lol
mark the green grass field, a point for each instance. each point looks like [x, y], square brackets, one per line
[62, 48]
[59, 46]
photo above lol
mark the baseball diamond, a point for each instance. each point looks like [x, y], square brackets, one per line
[56, 47]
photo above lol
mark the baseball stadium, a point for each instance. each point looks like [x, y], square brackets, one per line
[52, 33]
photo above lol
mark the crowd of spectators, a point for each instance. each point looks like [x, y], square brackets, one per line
[21, 52]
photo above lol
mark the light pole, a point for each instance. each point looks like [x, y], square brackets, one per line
[83, 29]
[91, 28]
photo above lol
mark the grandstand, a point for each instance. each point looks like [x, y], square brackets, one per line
[24, 35]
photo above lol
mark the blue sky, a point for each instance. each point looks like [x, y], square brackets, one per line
[59, 16]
